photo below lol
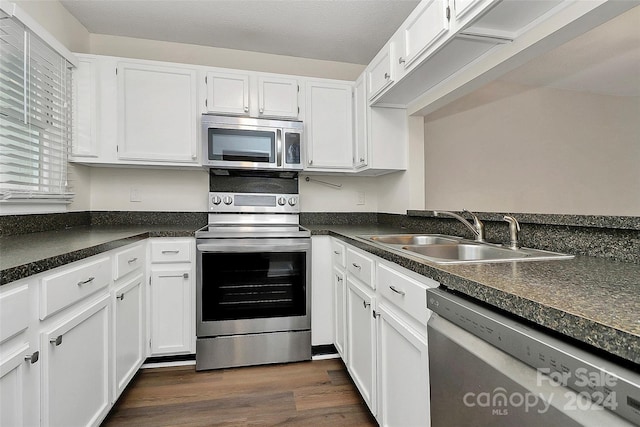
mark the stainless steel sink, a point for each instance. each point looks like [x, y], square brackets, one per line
[413, 239]
[443, 249]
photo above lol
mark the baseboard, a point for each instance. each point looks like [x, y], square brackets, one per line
[323, 350]
[165, 361]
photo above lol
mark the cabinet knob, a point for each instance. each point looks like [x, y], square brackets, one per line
[401, 60]
[33, 358]
[362, 159]
[261, 110]
[386, 76]
[56, 341]
[310, 162]
[246, 109]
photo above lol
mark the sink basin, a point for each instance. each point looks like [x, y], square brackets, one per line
[413, 239]
[443, 249]
[465, 252]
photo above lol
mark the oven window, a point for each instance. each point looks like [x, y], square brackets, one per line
[242, 145]
[253, 285]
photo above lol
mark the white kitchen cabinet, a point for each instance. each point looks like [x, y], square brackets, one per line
[425, 26]
[157, 117]
[171, 313]
[227, 93]
[360, 122]
[339, 310]
[75, 357]
[129, 331]
[403, 371]
[329, 126]
[278, 97]
[381, 71]
[361, 340]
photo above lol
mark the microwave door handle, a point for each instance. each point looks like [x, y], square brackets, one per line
[279, 147]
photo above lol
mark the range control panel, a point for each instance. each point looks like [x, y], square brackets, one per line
[220, 202]
[603, 382]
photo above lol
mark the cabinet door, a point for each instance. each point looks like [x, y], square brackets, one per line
[339, 297]
[380, 73]
[171, 311]
[403, 373]
[360, 108]
[329, 126]
[18, 388]
[427, 24]
[361, 341]
[277, 97]
[129, 331]
[75, 357]
[228, 93]
[157, 118]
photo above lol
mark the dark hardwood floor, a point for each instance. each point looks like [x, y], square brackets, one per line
[318, 393]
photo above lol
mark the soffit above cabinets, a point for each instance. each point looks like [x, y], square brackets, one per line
[339, 30]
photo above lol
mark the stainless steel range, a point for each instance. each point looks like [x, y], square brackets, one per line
[253, 273]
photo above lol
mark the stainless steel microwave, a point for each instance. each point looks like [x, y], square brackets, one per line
[249, 143]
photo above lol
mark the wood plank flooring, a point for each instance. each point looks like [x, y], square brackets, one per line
[318, 393]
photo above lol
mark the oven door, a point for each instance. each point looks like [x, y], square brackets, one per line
[247, 286]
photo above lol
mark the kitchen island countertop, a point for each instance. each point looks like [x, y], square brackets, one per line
[592, 300]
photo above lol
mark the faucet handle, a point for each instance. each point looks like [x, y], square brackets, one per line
[512, 221]
[514, 227]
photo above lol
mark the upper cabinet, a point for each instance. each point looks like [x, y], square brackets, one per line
[157, 118]
[251, 94]
[227, 93]
[425, 26]
[329, 125]
[380, 72]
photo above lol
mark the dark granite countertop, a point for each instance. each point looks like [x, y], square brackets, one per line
[24, 255]
[593, 300]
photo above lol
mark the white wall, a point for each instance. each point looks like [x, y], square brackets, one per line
[514, 148]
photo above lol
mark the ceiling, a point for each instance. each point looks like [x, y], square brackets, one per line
[350, 31]
[605, 61]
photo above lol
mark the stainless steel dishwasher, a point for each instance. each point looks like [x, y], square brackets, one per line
[487, 369]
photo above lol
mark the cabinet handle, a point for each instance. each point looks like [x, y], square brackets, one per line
[261, 110]
[386, 76]
[356, 266]
[184, 275]
[33, 358]
[396, 290]
[84, 282]
[336, 252]
[310, 162]
[56, 341]
[362, 159]
[375, 314]
[132, 260]
[246, 109]
[401, 60]
[339, 278]
[120, 297]
[366, 304]
[171, 252]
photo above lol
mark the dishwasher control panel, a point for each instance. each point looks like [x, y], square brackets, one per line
[561, 363]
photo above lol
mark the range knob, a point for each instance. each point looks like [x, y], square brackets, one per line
[292, 201]
[216, 200]
[282, 201]
[227, 200]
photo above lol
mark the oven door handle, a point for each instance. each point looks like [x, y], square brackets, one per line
[221, 247]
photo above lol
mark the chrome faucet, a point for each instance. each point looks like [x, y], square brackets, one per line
[514, 227]
[477, 228]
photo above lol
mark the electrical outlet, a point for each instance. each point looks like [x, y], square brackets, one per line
[361, 197]
[134, 195]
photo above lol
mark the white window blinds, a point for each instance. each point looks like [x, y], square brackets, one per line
[35, 116]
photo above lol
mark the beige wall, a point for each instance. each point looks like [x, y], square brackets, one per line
[513, 148]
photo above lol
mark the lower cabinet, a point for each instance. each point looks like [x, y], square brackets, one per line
[340, 296]
[361, 341]
[75, 378]
[129, 332]
[171, 313]
[403, 372]
[18, 388]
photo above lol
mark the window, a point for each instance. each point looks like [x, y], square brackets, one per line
[35, 117]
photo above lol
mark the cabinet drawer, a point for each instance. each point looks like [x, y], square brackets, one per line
[14, 312]
[127, 261]
[72, 284]
[360, 266]
[171, 251]
[338, 253]
[406, 293]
